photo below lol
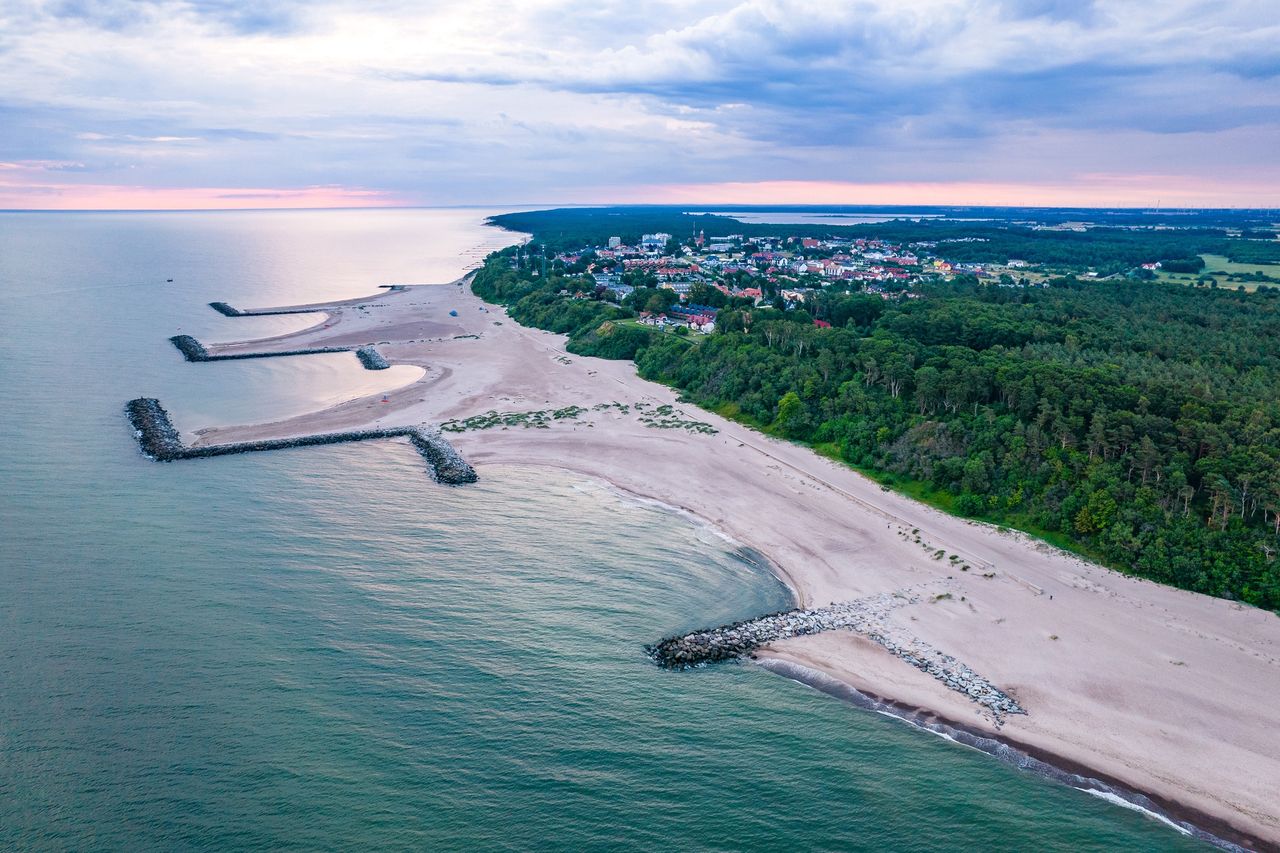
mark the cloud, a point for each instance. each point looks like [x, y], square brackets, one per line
[492, 101]
[130, 137]
[41, 166]
[1084, 12]
[275, 17]
[1128, 190]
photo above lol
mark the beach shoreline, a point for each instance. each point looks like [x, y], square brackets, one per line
[1025, 757]
[1123, 678]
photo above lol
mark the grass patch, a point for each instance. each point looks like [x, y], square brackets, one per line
[1220, 263]
[540, 419]
[665, 417]
[1219, 267]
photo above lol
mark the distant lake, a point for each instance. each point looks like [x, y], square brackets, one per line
[791, 217]
[321, 649]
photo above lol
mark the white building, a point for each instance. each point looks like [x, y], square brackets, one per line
[654, 242]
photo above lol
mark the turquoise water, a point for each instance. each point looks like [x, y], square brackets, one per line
[320, 649]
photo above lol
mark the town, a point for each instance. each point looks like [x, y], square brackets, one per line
[706, 273]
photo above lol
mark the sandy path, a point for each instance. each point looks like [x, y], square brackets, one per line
[1169, 692]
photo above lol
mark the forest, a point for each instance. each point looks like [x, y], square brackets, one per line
[1135, 422]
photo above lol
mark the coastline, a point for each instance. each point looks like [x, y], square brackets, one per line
[485, 361]
[1024, 757]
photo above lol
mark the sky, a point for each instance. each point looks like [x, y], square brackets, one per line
[161, 104]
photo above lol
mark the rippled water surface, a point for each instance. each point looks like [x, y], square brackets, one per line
[322, 649]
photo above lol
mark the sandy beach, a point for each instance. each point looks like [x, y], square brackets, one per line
[1166, 692]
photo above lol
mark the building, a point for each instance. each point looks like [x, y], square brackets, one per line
[695, 315]
[615, 242]
[654, 242]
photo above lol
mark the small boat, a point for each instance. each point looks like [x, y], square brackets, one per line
[453, 313]
[169, 281]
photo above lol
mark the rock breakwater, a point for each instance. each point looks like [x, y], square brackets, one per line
[865, 616]
[156, 434]
[371, 358]
[227, 311]
[193, 350]
[160, 440]
[445, 460]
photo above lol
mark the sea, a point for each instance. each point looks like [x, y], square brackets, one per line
[322, 649]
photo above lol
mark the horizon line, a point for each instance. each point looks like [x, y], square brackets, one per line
[691, 205]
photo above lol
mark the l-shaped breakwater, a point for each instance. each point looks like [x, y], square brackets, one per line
[160, 439]
[193, 350]
[865, 616]
[229, 311]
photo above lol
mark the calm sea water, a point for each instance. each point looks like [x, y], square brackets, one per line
[320, 649]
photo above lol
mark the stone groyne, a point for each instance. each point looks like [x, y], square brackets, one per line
[193, 350]
[160, 440]
[446, 462]
[371, 358]
[865, 616]
[156, 434]
[227, 311]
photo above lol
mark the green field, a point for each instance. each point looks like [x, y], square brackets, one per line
[1218, 263]
[1220, 267]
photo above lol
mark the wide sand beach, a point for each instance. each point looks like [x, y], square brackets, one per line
[1160, 691]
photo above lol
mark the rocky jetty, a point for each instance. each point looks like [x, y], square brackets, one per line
[445, 460]
[866, 616]
[156, 433]
[160, 440]
[227, 311]
[371, 358]
[193, 350]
